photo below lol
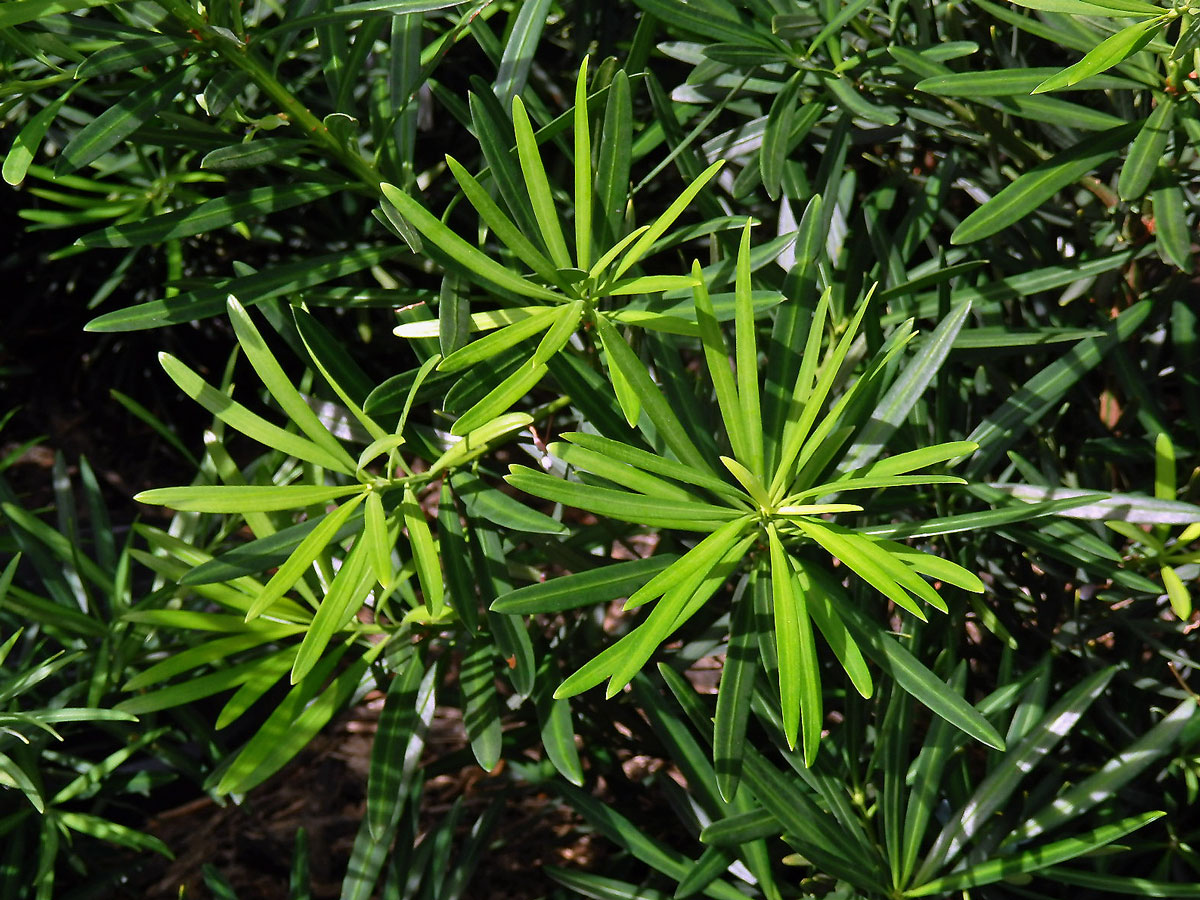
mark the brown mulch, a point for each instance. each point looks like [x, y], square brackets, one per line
[323, 791]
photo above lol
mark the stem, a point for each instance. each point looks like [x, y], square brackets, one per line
[299, 115]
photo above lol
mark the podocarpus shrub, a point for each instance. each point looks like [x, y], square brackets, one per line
[702, 311]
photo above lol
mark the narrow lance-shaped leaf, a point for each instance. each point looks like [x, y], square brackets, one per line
[118, 122]
[280, 386]
[663, 222]
[253, 426]
[538, 186]
[1041, 183]
[429, 569]
[458, 249]
[583, 172]
[502, 226]
[1147, 150]
[746, 346]
[716, 356]
[733, 697]
[1112, 50]
[799, 677]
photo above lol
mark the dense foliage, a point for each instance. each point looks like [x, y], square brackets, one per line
[856, 343]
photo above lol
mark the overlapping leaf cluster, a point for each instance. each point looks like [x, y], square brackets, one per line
[769, 359]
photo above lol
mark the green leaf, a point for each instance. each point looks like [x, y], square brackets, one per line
[250, 424]
[678, 603]
[118, 122]
[656, 406]
[906, 390]
[777, 135]
[484, 502]
[799, 677]
[253, 154]
[500, 398]
[613, 164]
[746, 347]
[1093, 790]
[901, 665]
[599, 585]
[502, 226]
[18, 12]
[243, 498]
[528, 21]
[629, 507]
[429, 568]
[1122, 884]
[481, 708]
[1036, 397]
[1040, 183]
[825, 614]
[583, 172]
[459, 250]
[659, 465]
[399, 740]
[292, 724]
[1006, 83]
[345, 595]
[733, 698]
[1112, 50]
[250, 289]
[16, 776]
[1033, 859]
[104, 830]
[1181, 598]
[29, 138]
[1111, 8]
[208, 216]
[495, 343]
[280, 386]
[1002, 781]
[1135, 508]
[619, 473]
[1148, 148]
[666, 220]
[1172, 234]
[558, 736]
[538, 186]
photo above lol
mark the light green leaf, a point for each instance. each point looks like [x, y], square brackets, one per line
[799, 676]
[492, 344]
[497, 507]
[243, 498]
[458, 249]
[629, 507]
[653, 402]
[538, 186]
[599, 585]
[1112, 50]
[666, 220]
[29, 138]
[583, 172]
[280, 386]
[250, 424]
[429, 567]
[346, 594]
[502, 226]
